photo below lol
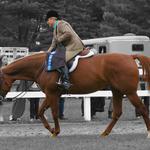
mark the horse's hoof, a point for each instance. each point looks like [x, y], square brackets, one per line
[148, 136]
[104, 134]
[53, 135]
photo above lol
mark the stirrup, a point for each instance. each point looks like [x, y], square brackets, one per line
[65, 85]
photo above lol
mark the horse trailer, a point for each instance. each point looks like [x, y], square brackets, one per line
[121, 44]
[12, 52]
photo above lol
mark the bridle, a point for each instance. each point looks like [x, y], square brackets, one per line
[4, 92]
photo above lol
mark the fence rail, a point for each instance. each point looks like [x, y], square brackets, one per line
[86, 98]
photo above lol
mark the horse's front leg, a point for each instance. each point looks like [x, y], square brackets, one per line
[50, 101]
[44, 106]
[55, 112]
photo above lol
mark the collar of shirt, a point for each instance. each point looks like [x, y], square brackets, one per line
[55, 24]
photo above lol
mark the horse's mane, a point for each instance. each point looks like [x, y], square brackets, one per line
[31, 61]
[30, 57]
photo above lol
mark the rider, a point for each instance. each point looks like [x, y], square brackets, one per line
[64, 34]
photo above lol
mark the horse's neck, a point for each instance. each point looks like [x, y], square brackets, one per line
[23, 69]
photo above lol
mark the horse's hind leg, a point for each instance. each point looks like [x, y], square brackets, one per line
[117, 111]
[135, 100]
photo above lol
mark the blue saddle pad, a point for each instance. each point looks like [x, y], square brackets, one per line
[55, 60]
[49, 60]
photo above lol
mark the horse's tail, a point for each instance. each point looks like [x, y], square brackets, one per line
[145, 63]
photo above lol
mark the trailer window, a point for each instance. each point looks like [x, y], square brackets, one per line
[138, 47]
[102, 49]
[90, 45]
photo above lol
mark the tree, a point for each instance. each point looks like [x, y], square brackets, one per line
[124, 17]
[21, 21]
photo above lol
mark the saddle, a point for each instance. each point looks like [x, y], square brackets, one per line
[72, 64]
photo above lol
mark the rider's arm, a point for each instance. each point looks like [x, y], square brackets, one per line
[53, 45]
[65, 31]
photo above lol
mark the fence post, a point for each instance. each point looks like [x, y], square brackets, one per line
[87, 108]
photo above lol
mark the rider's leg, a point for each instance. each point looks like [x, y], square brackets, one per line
[65, 77]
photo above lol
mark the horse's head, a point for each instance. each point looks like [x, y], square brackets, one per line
[3, 91]
[4, 87]
[5, 83]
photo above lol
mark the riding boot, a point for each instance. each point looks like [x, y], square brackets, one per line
[65, 77]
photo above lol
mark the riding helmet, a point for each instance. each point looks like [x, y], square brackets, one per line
[51, 13]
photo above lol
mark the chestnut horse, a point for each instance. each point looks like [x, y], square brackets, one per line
[118, 71]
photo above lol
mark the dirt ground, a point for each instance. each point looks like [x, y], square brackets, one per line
[127, 135]
[76, 134]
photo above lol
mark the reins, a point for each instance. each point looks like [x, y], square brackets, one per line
[23, 92]
[15, 97]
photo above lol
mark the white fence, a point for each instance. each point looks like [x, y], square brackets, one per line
[12, 52]
[86, 97]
